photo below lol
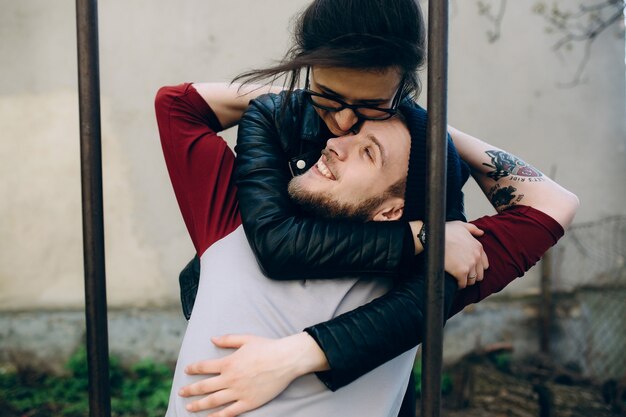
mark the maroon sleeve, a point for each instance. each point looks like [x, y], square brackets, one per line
[200, 164]
[514, 241]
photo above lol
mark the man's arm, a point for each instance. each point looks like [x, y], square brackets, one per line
[199, 163]
[230, 101]
[537, 210]
[509, 181]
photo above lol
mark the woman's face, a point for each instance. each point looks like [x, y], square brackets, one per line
[353, 86]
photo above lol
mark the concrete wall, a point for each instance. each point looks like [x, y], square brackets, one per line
[507, 92]
[143, 45]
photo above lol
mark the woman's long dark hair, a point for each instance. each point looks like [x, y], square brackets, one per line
[361, 34]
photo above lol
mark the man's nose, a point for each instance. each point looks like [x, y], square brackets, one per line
[338, 147]
[345, 119]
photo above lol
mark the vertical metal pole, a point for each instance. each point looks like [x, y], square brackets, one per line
[545, 307]
[435, 205]
[546, 310]
[93, 223]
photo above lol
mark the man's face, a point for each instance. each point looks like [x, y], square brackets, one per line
[355, 172]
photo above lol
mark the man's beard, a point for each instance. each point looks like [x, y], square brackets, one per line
[323, 205]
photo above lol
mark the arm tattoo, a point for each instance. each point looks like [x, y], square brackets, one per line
[505, 164]
[502, 197]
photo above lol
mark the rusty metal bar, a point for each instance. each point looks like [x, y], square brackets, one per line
[435, 206]
[93, 223]
[545, 306]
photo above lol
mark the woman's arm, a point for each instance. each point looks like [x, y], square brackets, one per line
[288, 243]
[291, 245]
[261, 368]
[279, 230]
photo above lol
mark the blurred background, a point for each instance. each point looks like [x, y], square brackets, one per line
[543, 79]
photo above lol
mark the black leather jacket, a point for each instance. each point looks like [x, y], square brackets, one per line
[289, 245]
[273, 145]
[273, 140]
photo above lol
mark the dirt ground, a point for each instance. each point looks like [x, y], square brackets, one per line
[483, 386]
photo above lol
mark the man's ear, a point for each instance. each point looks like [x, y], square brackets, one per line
[391, 209]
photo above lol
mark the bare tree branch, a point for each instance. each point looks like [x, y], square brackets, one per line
[484, 9]
[582, 26]
[582, 64]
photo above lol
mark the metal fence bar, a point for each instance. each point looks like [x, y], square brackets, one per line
[545, 306]
[93, 223]
[432, 351]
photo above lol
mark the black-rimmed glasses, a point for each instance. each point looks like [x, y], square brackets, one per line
[362, 111]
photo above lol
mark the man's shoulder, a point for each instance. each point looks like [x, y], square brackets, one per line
[409, 104]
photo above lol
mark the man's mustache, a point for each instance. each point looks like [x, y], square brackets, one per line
[330, 162]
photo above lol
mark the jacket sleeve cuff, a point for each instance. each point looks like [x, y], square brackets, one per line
[333, 378]
[408, 252]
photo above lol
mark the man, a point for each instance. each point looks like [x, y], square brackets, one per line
[360, 175]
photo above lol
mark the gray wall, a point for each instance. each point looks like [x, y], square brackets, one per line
[143, 45]
[506, 92]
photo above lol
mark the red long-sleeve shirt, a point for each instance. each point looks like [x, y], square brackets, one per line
[200, 165]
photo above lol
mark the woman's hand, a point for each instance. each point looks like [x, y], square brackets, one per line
[465, 258]
[254, 374]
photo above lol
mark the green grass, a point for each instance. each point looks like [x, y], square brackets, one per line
[502, 361]
[140, 391]
[446, 380]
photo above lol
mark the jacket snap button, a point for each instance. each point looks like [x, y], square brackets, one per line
[300, 164]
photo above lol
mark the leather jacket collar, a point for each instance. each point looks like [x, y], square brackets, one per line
[312, 132]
